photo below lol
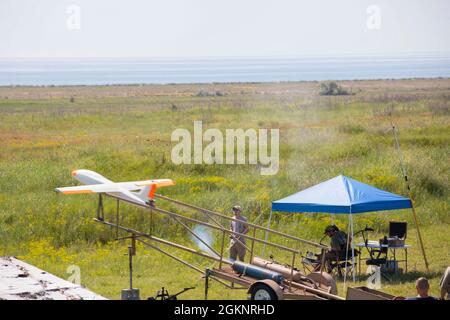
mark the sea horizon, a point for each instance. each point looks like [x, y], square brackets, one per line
[204, 70]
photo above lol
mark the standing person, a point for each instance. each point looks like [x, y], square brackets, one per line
[445, 284]
[422, 287]
[237, 245]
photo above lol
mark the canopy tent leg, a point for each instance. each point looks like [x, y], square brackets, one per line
[117, 218]
[353, 249]
[350, 231]
[267, 234]
[419, 236]
[346, 249]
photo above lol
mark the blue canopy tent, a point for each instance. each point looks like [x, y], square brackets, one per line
[341, 195]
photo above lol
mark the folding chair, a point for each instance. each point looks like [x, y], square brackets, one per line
[378, 257]
[341, 266]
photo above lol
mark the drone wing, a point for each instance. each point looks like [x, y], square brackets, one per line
[115, 187]
[91, 188]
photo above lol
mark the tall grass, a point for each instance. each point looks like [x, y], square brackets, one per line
[128, 138]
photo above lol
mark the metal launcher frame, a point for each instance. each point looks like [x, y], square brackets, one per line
[223, 273]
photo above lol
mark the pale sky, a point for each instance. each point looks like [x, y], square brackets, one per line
[211, 28]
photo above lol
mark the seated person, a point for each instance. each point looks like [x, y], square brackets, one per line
[445, 284]
[338, 245]
[422, 287]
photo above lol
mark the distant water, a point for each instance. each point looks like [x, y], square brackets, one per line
[190, 70]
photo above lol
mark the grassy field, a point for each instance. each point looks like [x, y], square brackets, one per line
[123, 132]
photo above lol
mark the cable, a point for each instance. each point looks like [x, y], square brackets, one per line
[405, 176]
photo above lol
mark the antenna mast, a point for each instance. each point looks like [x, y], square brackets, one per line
[405, 176]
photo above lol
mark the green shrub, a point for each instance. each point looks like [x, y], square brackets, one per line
[332, 89]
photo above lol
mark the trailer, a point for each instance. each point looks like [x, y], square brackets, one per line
[316, 286]
[294, 285]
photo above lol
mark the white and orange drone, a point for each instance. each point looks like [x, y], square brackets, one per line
[140, 192]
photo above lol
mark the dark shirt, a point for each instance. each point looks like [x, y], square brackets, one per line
[339, 241]
[420, 298]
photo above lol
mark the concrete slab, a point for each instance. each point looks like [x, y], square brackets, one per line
[22, 281]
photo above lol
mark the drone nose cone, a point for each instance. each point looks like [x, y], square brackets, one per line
[74, 173]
